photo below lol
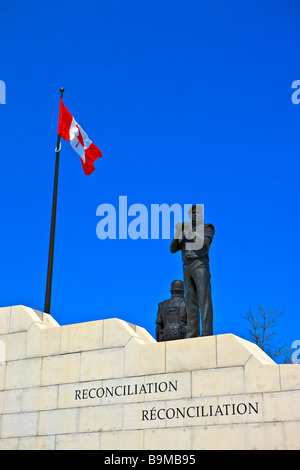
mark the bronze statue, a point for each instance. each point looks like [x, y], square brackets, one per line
[171, 315]
[194, 241]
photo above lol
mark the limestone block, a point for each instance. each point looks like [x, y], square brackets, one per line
[265, 436]
[48, 320]
[144, 415]
[23, 373]
[51, 341]
[61, 369]
[255, 350]
[291, 434]
[121, 440]
[168, 439]
[4, 320]
[227, 437]
[221, 381]
[189, 354]
[3, 356]
[40, 398]
[237, 409]
[231, 352]
[2, 374]
[19, 425]
[260, 377]
[192, 412]
[58, 422]
[14, 346]
[290, 376]
[11, 401]
[9, 444]
[144, 335]
[82, 336]
[22, 318]
[102, 364]
[116, 333]
[152, 358]
[37, 443]
[42, 341]
[34, 340]
[234, 351]
[281, 406]
[81, 394]
[132, 357]
[84, 441]
[102, 418]
[176, 383]
[144, 359]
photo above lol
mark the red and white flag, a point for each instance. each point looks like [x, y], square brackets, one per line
[70, 130]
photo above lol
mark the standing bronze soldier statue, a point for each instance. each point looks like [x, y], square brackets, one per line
[194, 241]
[171, 315]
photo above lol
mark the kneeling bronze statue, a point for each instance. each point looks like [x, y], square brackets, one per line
[171, 316]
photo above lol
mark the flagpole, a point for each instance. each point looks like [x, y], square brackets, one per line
[53, 221]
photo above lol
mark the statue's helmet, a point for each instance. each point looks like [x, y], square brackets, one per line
[177, 286]
[196, 209]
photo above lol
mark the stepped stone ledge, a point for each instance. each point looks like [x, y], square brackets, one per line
[107, 384]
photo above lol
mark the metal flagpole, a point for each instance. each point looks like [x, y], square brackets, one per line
[53, 221]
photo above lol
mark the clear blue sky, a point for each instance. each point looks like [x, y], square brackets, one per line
[189, 101]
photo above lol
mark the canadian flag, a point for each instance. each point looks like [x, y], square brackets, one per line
[70, 130]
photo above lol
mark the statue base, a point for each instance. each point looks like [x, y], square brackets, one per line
[109, 385]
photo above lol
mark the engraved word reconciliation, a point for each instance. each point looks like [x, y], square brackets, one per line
[123, 390]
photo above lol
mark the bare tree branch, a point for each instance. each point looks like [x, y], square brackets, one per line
[262, 331]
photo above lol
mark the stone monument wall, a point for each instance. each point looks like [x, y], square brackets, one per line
[109, 385]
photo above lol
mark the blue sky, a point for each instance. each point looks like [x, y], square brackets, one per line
[189, 101]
